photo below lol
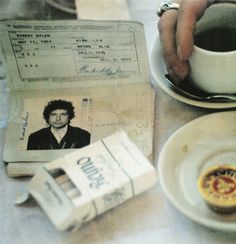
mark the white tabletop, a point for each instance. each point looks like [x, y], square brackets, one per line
[148, 218]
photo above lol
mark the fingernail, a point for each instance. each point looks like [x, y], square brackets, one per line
[179, 71]
[176, 69]
[173, 75]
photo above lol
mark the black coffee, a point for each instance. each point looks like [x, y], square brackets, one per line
[217, 39]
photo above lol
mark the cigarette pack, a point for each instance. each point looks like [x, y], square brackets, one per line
[83, 184]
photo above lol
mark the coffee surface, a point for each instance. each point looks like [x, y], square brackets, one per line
[216, 39]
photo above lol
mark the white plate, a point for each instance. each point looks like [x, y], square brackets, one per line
[206, 141]
[158, 72]
[62, 5]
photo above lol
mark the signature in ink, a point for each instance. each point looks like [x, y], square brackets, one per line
[24, 126]
[108, 71]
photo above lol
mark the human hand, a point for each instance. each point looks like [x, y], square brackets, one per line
[176, 29]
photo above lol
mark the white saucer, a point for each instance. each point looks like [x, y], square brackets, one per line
[62, 5]
[206, 141]
[158, 72]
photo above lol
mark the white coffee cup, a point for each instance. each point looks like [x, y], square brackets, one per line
[213, 61]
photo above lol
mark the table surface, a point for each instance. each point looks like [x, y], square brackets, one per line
[148, 218]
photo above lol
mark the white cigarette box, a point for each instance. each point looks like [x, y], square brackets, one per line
[84, 184]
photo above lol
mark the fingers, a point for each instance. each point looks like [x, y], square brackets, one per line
[176, 35]
[188, 14]
[167, 29]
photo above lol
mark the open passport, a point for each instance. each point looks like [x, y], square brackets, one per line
[73, 83]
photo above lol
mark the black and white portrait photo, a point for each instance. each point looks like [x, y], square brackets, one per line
[58, 133]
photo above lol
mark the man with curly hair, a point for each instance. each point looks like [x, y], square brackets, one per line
[59, 134]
